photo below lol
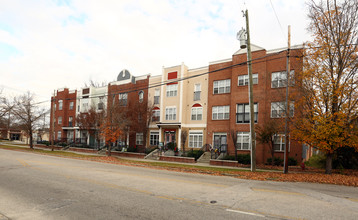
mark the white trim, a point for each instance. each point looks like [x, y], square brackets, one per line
[181, 93]
[179, 139]
[220, 61]
[162, 113]
[196, 131]
[194, 125]
[199, 68]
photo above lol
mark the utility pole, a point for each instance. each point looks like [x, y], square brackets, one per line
[251, 97]
[287, 138]
[53, 121]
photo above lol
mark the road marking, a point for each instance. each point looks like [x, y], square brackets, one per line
[246, 213]
[353, 199]
[23, 163]
[277, 191]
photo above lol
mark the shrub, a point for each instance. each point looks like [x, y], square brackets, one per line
[276, 161]
[229, 157]
[244, 158]
[317, 161]
[194, 153]
[292, 161]
[132, 149]
[171, 146]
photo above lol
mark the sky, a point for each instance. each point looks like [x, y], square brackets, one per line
[51, 44]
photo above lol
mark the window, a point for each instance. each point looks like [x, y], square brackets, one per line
[170, 113]
[243, 141]
[221, 112]
[71, 105]
[278, 109]
[222, 86]
[197, 113]
[84, 107]
[59, 120]
[154, 138]
[156, 115]
[139, 139]
[59, 135]
[140, 96]
[279, 79]
[279, 142]
[243, 113]
[196, 139]
[243, 80]
[123, 99]
[172, 90]
[197, 91]
[100, 103]
[156, 96]
[70, 119]
[60, 103]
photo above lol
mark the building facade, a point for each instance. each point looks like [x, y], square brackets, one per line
[228, 100]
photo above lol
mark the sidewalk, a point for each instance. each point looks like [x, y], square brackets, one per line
[21, 144]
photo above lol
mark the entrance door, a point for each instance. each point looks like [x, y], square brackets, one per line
[220, 141]
[169, 136]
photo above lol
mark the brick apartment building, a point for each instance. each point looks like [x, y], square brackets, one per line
[65, 113]
[130, 93]
[228, 100]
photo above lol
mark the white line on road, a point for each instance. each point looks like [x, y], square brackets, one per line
[246, 213]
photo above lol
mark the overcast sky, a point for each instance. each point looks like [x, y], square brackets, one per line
[51, 44]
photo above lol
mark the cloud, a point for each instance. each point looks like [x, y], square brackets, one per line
[63, 43]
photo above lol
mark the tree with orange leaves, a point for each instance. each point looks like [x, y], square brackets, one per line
[328, 83]
[114, 123]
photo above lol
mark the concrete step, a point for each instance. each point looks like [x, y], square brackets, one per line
[205, 157]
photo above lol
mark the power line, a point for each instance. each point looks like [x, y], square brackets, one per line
[278, 20]
[153, 85]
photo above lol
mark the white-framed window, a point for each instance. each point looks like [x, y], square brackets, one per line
[60, 104]
[197, 91]
[278, 109]
[100, 103]
[84, 107]
[171, 113]
[70, 121]
[71, 105]
[156, 115]
[139, 139]
[279, 79]
[141, 96]
[195, 139]
[154, 138]
[279, 142]
[222, 86]
[243, 141]
[243, 113]
[156, 96]
[59, 120]
[123, 97]
[243, 80]
[59, 135]
[196, 113]
[172, 90]
[221, 112]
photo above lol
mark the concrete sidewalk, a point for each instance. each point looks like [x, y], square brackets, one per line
[21, 144]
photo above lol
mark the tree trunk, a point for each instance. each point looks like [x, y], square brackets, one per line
[329, 158]
[109, 148]
[30, 133]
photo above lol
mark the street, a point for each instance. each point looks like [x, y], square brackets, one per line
[34, 186]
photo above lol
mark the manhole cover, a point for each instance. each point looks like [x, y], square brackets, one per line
[213, 201]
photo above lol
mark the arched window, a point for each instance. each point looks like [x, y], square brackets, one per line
[196, 112]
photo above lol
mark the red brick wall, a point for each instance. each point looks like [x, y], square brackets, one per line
[65, 113]
[263, 95]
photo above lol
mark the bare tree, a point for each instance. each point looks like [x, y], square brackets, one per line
[184, 136]
[91, 121]
[27, 113]
[266, 135]
[95, 84]
[233, 135]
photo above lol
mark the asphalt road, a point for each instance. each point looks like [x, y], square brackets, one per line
[34, 186]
